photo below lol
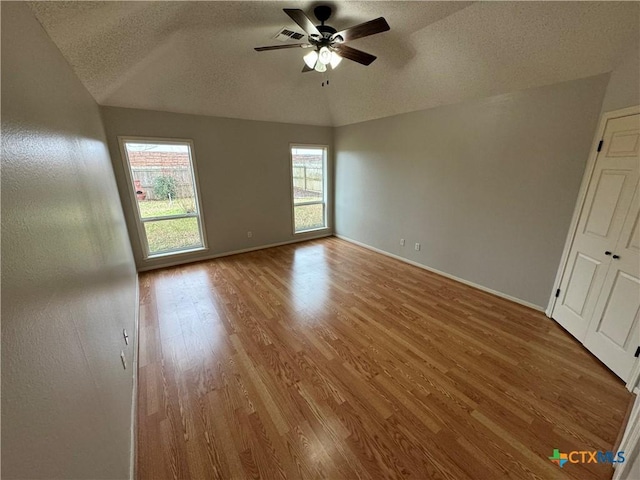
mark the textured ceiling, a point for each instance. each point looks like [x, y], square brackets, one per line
[198, 57]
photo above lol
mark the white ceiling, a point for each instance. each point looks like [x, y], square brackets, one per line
[198, 57]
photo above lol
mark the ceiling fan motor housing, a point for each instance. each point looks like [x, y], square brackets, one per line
[326, 30]
[327, 38]
[322, 13]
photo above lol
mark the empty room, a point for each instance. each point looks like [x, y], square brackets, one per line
[320, 240]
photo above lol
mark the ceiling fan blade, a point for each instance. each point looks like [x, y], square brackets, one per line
[302, 20]
[363, 30]
[356, 55]
[280, 47]
[306, 68]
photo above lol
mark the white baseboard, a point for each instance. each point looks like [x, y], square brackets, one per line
[134, 395]
[233, 252]
[444, 274]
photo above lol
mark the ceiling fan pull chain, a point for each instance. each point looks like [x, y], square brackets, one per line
[326, 81]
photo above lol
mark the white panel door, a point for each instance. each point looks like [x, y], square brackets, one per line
[614, 334]
[608, 199]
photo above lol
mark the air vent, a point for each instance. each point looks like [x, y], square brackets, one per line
[284, 35]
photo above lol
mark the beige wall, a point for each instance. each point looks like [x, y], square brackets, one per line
[243, 170]
[623, 89]
[487, 187]
[68, 277]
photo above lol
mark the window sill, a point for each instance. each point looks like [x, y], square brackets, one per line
[311, 230]
[174, 253]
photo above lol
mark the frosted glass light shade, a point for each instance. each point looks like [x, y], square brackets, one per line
[311, 58]
[324, 56]
[320, 67]
[335, 59]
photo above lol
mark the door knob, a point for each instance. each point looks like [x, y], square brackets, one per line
[607, 252]
[616, 256]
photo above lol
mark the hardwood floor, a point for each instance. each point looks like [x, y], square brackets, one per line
[326, 360]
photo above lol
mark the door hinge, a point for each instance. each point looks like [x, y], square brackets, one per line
[600, 145]
[637, 354]
[557, 293]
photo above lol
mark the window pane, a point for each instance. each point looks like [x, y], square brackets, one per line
[308, 174]
[179, 233]
[308, 217]
[164, 186]
[162, 178]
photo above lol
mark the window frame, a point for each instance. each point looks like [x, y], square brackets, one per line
[325, 183]
[142, 235]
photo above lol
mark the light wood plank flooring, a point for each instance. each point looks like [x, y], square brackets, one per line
[326, 360]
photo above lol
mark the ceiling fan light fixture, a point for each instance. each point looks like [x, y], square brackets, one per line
[311, 59]
[335, 59]
[324, 56]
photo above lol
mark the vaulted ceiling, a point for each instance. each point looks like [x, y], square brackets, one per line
[198, 57]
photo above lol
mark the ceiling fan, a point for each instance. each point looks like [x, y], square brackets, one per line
[327, 44]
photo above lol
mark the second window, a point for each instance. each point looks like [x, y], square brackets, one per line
[309, 179]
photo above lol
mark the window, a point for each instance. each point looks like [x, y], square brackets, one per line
[164, 188]
[309, 187]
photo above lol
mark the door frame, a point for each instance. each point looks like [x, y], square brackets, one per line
[573, 227]
[634, 379]
[630, 443]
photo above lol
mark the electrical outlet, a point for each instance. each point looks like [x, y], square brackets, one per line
[417, 247]
[126, 336]
[249, 234]
[124, 360]
[402, 242]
